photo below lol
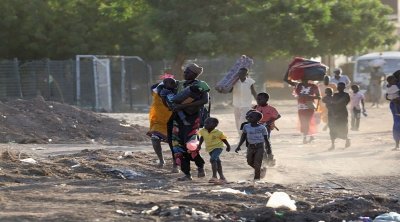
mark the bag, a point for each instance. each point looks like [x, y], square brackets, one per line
[301, 68]
[225, 85]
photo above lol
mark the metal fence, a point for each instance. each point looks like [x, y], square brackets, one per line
[130, 79]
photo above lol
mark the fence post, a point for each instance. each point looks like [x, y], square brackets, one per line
[123, 76]
[78, 80]
[47, 64]
[17, 76]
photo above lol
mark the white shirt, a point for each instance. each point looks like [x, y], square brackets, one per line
[241, 92]
[343, 78]
[392, 92]
[355, 100]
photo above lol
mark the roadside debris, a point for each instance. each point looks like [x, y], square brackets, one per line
[281, 199]
[388, 217]
[29, 160]
[125, 173]
[230, 190]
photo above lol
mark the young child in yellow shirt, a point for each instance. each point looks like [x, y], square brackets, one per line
[214, 140]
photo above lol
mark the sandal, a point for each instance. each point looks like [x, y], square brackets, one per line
[213, 180]
[221, 182]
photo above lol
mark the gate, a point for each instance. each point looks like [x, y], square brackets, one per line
[112, 83]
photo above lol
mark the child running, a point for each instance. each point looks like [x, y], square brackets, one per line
[270, 114]
[214, 140]
[257, 137]
[356, 107]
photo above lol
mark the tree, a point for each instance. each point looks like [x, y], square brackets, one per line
[269, 28]
[56, 29]
[23, 28]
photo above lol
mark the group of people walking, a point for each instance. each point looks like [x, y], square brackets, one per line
[178, 117]
[331, 99]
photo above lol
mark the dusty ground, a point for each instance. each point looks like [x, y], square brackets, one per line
[98, 180]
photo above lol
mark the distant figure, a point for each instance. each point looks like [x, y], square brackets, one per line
[338, 123]
[393, 93]
[270, 115]
[214, 140]
[257, 137]
[339, 77]
[396, 118]
[322, 106]
[375, 85]
[356, 107]
[243, 93]
[306, 94]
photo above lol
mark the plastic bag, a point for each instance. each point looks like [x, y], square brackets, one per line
[281, 199]
[192, 145]
[388, 217]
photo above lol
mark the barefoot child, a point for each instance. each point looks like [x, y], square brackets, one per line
[356, 107]
[270, 114]
[257, 137]
[214, 140]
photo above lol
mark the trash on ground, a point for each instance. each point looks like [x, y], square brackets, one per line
[388, 217]
[122, 212]
[229, 190]
[197, 214]
[128, 154]
[151, 211]
[363, 219]
[125, 173]
[38, 148]
[173, 211]
[76, 165]
[29, 160]
[281, 199]
[173, 191]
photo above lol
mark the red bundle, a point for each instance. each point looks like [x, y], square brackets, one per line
[301, 68]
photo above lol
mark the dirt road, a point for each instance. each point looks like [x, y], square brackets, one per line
[68, 184]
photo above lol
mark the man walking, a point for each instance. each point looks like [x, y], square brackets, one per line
[243, 93]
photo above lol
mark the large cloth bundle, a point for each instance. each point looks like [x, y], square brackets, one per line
[225, 85]
[377, 62]
[300, 69]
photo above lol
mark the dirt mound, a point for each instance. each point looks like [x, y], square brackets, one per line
[40, 121]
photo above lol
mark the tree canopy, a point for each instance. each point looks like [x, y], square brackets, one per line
[177, 29]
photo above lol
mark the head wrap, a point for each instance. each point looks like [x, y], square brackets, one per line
[166, 75]
[195, 68]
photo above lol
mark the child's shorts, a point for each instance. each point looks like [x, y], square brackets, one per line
[214, 155]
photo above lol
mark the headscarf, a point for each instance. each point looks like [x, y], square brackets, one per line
[195, 68]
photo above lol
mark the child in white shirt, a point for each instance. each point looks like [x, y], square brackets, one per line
[356, 106]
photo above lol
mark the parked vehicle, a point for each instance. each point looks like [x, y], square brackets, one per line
[388, 61]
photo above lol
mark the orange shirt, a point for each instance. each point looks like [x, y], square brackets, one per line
[269, 112]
